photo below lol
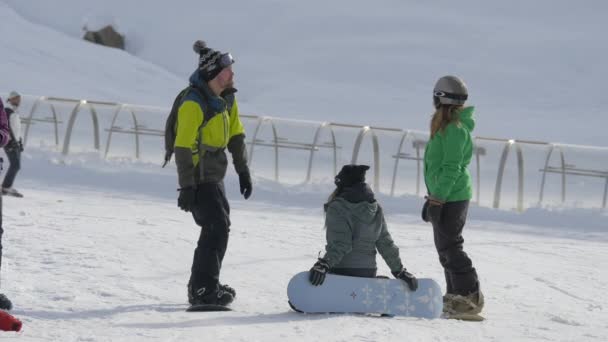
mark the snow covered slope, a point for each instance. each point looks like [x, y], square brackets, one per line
[109, 261]
[40, 61]
[536, 70]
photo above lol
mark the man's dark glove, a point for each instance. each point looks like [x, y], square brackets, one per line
[407, 277]
[245, 184]
[433, 211]
[318, 272]
[187, 198]
[20, 145]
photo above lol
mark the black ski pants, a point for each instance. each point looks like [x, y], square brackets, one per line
[460, 275]
[212, 214]
[14, 158]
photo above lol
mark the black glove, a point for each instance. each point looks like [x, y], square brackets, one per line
[20, 145]
[424, 213]
[245, 184]
[187, 198]
[318, 272]
[434, 208]
[407, 277]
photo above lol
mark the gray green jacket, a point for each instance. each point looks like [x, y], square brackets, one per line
[355, 230]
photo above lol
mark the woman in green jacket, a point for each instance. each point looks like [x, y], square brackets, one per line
[356, 229]
[446, 159]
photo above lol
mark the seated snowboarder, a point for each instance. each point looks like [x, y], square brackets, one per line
[355, 230]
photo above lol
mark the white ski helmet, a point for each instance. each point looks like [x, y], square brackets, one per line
[450, 90]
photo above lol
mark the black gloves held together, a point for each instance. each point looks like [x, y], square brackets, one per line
[245, 184]
[187, 198]
[318, 272]
[407, 277]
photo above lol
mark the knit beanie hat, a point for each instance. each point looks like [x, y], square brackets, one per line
[210, 62]
[350, 175]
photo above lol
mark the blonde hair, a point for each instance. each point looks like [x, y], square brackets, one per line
[444, 114]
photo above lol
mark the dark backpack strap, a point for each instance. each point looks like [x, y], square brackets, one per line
[227, 95]
[171, 124]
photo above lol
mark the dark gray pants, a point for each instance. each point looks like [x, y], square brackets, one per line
[212, 214]
[14, 158]
[460, 275]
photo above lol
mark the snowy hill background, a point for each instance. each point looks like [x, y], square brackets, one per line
[98, 251]
[533, 68]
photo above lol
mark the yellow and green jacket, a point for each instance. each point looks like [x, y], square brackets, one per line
[206, 126]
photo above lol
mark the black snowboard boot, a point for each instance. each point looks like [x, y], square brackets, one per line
[224, 287]
[216, 296]
[190, 294]
[5, 303]
[228, 289]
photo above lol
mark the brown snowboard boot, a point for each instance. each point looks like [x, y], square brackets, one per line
[471, 304]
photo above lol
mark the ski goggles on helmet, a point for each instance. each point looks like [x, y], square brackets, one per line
[452, 96]
[226, 60]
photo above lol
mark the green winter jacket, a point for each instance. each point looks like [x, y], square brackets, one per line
[447, 157]
[354, 232]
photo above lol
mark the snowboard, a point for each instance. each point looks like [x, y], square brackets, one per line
[207, 307]
[387, 297]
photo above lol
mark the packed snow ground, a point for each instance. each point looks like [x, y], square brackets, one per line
[98, 251]
[109, 262]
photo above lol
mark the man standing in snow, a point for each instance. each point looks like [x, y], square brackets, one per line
[14, 148]
[207, 123]
[5, 304]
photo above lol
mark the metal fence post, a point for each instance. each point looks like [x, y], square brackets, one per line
[30, 117]
[68, 131]
[253, 140]
[376, 152]
[135, 125]
[315, 142]
[501, 170]
[563, 168]
[404, 136]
